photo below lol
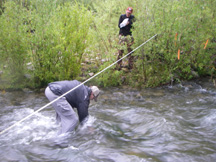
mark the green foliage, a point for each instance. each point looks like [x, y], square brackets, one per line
[13, 43]
[110, 77]
[57, 37]
[52, 38]
[61, 44]
[183, 26]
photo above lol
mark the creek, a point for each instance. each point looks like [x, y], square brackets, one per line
[164, 124]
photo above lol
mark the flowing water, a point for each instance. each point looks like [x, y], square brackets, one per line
[166, 124]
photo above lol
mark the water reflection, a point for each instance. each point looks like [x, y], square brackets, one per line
[175, 123]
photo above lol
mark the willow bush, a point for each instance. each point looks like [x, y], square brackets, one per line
[13, 45]
[58, 53]
[182, 27]
[51, 38]
[55, 37]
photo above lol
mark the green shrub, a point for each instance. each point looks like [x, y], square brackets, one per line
[13, 43]
[57, 36]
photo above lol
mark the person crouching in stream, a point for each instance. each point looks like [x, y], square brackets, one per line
[79, 98]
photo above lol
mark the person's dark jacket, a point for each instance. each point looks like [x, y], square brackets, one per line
[127, 29]
[79, 98]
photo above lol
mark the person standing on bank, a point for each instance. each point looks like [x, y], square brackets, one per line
[78, 98]
[125, 36]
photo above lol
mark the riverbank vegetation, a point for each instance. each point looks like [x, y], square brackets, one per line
[45, 41]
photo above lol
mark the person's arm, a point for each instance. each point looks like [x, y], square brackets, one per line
[82, 111]
[131, 21]
[120, 21]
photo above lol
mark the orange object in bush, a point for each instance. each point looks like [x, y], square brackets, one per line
[178, 54]
[176, 36]
[206, 44]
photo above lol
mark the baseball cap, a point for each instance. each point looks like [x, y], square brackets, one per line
[129, 9]
[95, 92]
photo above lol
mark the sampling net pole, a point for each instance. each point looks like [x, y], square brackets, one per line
[15, 124]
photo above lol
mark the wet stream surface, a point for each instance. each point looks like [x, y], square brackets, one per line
[165, 124]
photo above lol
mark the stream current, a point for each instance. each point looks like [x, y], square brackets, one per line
[165, 124]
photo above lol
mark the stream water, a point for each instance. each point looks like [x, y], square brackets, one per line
[165, 124]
